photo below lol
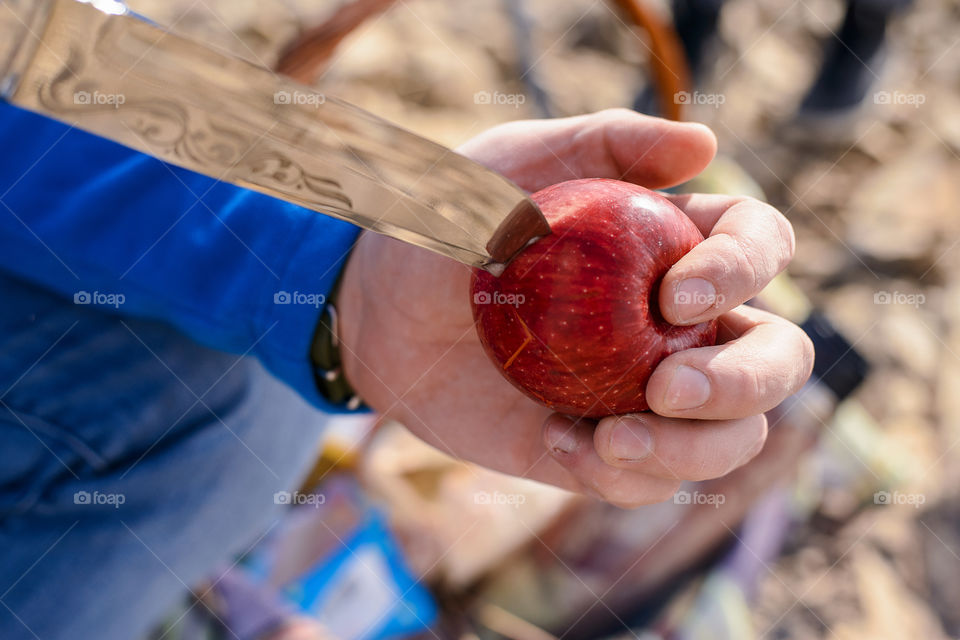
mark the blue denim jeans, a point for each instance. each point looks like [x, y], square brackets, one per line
[132, 462]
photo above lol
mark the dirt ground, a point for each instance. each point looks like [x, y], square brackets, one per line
[875, 206]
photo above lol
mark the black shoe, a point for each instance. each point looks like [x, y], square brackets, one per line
[853, 59]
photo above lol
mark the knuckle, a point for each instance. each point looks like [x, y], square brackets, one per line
[707, 465]
[807, 357]
[757, 441]
[614, 113]
[665, 492]
[628, 504]
[694, 459]
[709, 468]
[679, 468]
[608, 487]
[755, 261]
[798, 358]
[745, 386]
[742, 260]
[661, 492]
[780, 230]
[770, 250]
[674, 460]
[788, 239]
[759, 385]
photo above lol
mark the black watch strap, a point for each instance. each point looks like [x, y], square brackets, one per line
[327, 363]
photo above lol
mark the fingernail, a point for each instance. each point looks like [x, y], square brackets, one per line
[630, 440]
[688, 389]
[561, 439]
[693, 296]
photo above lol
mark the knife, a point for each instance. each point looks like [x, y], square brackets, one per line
[96, 66]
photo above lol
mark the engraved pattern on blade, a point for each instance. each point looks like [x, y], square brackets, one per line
[172, 131]
[192, 106]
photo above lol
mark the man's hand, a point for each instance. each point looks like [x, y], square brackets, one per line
[411, 351]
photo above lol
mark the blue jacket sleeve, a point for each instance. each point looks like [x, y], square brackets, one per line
[102, 224]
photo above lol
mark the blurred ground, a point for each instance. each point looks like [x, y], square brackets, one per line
[875, 205]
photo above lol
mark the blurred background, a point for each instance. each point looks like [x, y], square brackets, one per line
[846, 116]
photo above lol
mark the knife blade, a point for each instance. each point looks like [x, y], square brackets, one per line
[97, 66]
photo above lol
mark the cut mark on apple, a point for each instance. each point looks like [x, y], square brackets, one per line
[527, 340]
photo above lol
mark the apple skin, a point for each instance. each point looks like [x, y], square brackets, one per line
[573, 321]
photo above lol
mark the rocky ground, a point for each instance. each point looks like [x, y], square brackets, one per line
[874, 202]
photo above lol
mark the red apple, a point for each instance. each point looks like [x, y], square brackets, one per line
[573, 321]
